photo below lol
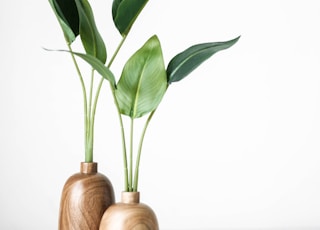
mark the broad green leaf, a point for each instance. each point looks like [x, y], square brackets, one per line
[125, 12]
[143, 81]
[90, 37]
[185, 62]
[68, 17]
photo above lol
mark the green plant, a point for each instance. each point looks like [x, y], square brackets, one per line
[144, 79]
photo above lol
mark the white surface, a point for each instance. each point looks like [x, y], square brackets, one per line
[236, 145]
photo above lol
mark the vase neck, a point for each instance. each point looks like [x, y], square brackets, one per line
[130, 197]
[89, 167]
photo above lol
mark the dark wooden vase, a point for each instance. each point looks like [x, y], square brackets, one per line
[129, 214]
[85, 197]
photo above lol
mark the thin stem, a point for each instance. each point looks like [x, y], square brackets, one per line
[131, 155]
[89, 150]
[91, 116]
[91, 92]
[102, 79]
[117, 50]
[125, 161]
[84, 92]
[92, 111]
[124, 149]
[136, 174]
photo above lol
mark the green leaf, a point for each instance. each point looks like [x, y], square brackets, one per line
[68, 17]
[143, 80]
[185, 62]
[90, 37]
[125, 12]
[96, 64]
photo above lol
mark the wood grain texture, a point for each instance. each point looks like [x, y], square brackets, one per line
[85, 197]
[129, 214]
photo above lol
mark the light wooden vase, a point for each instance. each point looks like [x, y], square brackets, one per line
[85, 197]
[129, 214]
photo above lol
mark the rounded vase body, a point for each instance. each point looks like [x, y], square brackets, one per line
[85, 197]
[129, 214]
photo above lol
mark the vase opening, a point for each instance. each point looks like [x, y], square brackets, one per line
[130, 197]
[89, 167]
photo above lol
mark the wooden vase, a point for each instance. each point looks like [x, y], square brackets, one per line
[85, 197]
[129, 214]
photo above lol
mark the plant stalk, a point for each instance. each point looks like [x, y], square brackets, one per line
[90, 95]
[91, 116]
[117, 51]
[131, 156]
[85, 108]
[124, 149]
[136, 174]
[92, 111]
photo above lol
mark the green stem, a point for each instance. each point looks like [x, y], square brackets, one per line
[124, 149]
[92, 111]
[91, 92]
[125, 161]
[136, 174]
[89, 150]
[91, 116]
[117, 50]
[84, 92]
[131, 156]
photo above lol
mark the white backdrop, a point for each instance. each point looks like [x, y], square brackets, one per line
[233, 146]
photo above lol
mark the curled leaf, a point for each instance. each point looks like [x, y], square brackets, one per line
[68, 17]
[125, 12]
[90, 36]
[185, 62]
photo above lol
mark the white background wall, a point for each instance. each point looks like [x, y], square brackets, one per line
[235, 145]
